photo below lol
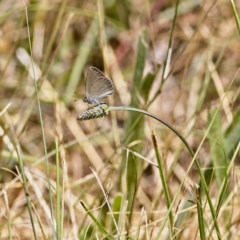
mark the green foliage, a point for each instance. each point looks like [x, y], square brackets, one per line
[147, 85]
[135, 126]
[98, 224]
[217, 148]
[232, 137]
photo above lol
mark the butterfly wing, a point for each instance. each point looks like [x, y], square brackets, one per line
[97, 85]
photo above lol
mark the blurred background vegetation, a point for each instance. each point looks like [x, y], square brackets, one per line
[174, 59]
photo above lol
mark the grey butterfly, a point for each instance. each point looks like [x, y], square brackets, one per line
[97, 87]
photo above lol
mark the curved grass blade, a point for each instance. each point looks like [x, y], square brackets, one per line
[99, 225]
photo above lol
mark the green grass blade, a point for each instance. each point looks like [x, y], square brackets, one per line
[42, 125]
[136, 133]
[147, 85]
[116, 207]
[232, 137]
[58, 195]
[99, 225]
[139, 67]
[164, 185]
[217, 155]
[236, 16]
[25, 186]
[200, 213]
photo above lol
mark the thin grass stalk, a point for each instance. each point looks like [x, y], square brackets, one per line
[107, 201]
[42, 127]
[116, 209]
[58, 195]
[200, 213]
[95, 220]
[138, 227]
[222, 192]
[9, 222]
[121, 216]
[146, 225]
[226, 181]
[164, 185]
[226, 177]
[236, 16]
[64, 174]
[123, 108]
[25, 187]
[40, 223]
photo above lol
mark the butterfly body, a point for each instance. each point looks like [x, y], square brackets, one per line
[90, 100]
[98, 86]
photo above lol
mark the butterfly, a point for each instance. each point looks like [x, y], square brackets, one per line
[97, 87]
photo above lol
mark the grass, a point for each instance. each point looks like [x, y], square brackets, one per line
[126, 175]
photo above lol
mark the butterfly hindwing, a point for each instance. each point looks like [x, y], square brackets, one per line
[97, 85]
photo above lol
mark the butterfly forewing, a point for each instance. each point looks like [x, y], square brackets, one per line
[97, 85]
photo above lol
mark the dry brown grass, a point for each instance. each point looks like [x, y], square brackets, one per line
[66, 39]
